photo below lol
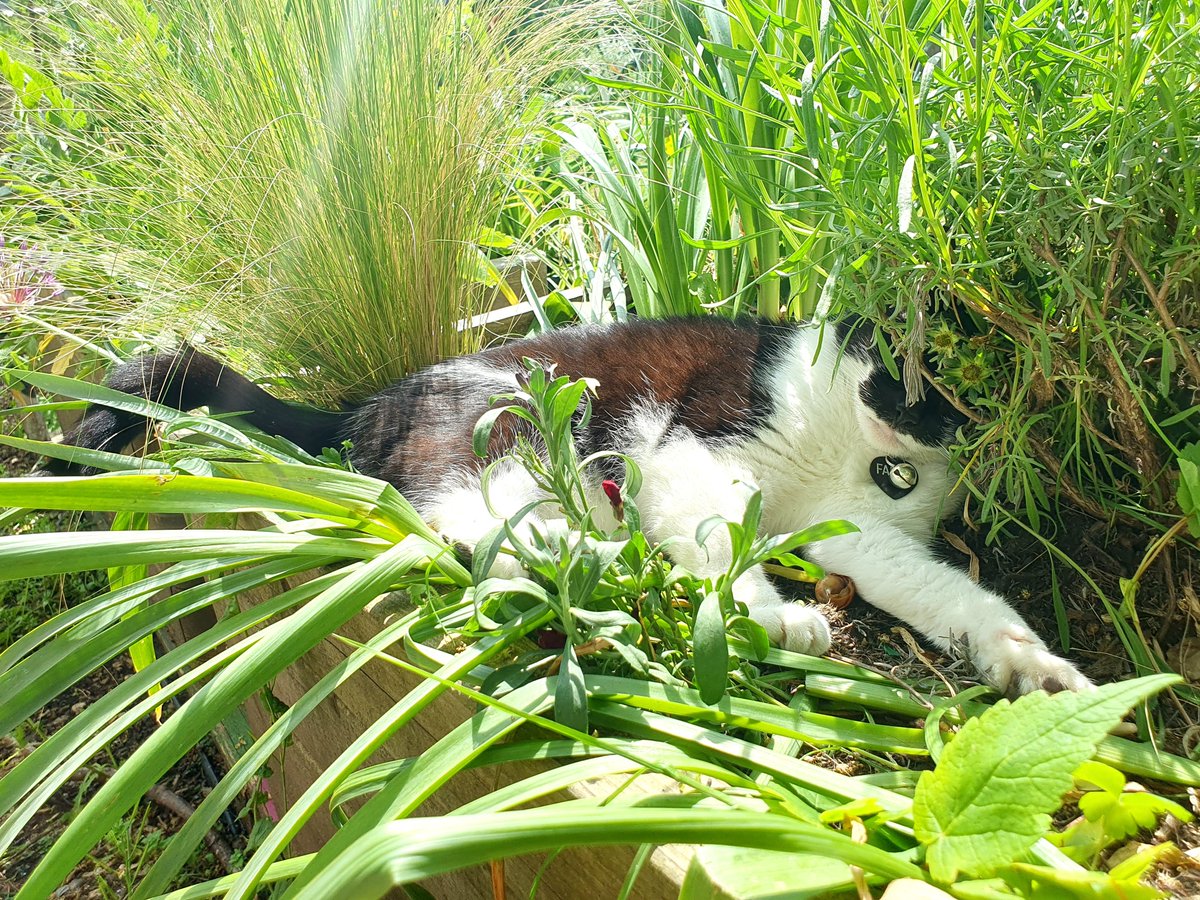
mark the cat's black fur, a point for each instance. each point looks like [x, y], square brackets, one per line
[712, 373]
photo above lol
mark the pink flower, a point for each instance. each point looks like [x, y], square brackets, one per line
[24, 278]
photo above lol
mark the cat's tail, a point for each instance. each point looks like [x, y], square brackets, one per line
[185, 380]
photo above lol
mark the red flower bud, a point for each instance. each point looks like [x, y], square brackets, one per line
[612, 490]
[549, 639]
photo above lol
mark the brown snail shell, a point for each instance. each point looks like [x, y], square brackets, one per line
[836, 590]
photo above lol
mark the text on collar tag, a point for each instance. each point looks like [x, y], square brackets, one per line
[895, 477]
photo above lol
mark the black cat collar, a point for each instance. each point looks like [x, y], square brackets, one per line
[895, 477]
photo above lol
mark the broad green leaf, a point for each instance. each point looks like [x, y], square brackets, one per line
[866, 689]
[990, 798]
[710, 649]
[369, 779]
[170, 417]
[1188, 492]
[142, 652]
[745, 873]
[750, 631]
[751, 519]
[52, 668]
[705, 529]
[97, 393]
[367, 496]
[99, 612]
[817, 667]
[562, 777]
[185, 841]
[782, 545]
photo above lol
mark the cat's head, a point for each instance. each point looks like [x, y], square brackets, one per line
[888, 419]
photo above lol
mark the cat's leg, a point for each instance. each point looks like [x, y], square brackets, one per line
[901, 576]
[684, 483]
[461, 512]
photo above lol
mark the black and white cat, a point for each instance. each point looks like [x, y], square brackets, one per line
[707, 408]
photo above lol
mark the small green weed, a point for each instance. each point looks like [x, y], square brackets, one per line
[1111, 810]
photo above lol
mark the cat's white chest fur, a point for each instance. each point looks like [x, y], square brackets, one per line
[813, 461]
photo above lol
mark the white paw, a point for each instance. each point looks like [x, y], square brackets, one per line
[805, 630]
[801, 629]
[792, 626]
[1015, 661]
[505, 566]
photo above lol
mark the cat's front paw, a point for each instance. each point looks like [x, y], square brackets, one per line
[805, 630]
[1015, 661]
[792, 626]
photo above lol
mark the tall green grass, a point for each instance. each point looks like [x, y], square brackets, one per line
[1010, 184]
[299, 183]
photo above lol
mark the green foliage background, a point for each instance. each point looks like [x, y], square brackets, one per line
[319, 190]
